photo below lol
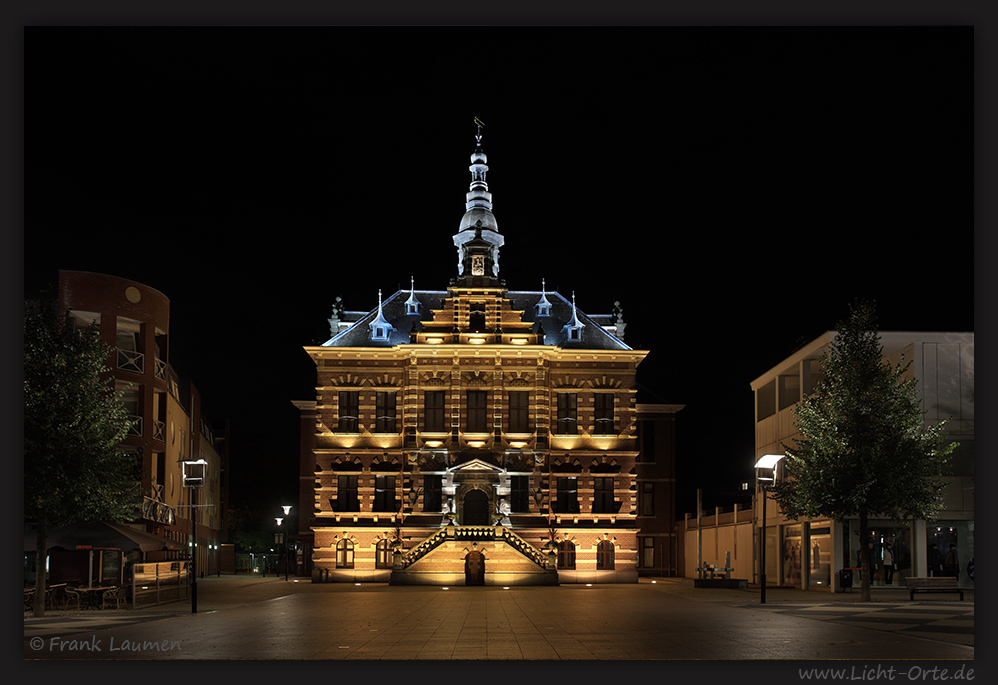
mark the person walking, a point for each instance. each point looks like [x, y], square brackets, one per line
[888, 564]
[935, 561]
[952, 563]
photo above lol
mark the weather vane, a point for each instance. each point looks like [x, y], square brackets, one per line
[478, 136]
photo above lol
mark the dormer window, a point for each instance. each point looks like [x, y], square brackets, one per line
[573, 329]
[543, 306]
[381, 329]
[412, 304]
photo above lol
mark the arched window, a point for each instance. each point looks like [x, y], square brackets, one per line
[382, 555]
[344, 554]
[566, 554]
[604, 555]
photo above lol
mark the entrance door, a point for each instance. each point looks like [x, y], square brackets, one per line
[476, 509]
[474, 568]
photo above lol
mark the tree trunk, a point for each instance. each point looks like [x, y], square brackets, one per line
[864, 558]
[41, 561]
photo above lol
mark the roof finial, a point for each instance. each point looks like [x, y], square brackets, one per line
[478, 135]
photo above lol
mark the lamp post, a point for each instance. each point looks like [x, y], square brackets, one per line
[768, 463]
[281, 540]
[194, 472]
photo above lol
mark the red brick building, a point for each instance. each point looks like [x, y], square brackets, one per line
[482, 435]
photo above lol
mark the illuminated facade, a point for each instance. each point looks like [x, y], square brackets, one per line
[480, 435]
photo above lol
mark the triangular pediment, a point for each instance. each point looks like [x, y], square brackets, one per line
[476, 465]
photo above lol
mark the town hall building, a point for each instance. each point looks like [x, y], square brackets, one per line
[482, 435]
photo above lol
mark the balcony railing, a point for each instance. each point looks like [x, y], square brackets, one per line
[160, 369]
[158, 511]
[130, 360]
[159, 430]
[135, 429]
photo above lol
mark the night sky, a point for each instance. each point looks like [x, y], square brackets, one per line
[733, 188]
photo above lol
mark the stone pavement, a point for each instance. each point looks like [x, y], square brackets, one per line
[249, 617]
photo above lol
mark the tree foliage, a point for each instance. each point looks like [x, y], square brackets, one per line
[73, 424]
[864, 449]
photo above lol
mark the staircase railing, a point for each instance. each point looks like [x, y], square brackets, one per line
[474, 533]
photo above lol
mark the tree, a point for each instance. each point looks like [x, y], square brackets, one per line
[864, 448]
[73, 424]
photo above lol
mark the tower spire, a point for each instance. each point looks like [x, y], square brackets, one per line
[478, 223]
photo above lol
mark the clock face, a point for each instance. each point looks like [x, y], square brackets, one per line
[478, 265]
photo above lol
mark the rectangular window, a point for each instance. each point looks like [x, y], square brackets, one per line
[646, 503]
[567, 417]
[349, 410]
[568, 496]
[519, 412]
[603, 422]
[789, 390]
[766, 400]
[477, 411]
[384, 493]
[433, 404]
[432, 493]
[603, 495]
[648, 552]
[346, 494]
[384, 421]
[520, 493]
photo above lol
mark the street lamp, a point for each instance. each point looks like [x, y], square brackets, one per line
[767, 463]
[280, 539]
[194, 474]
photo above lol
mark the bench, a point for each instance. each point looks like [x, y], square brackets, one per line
[937, 584]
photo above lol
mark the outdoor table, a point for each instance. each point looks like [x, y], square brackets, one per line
[92, 596]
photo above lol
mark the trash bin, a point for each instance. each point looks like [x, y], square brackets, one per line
[845, 578]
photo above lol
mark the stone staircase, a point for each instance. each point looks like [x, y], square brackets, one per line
[440, 558]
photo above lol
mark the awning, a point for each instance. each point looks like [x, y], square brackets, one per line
[100, 535]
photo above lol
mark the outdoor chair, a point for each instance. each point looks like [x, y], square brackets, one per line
[72, 596]
[29, 599]
[113, 597]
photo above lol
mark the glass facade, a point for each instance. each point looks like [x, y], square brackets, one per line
[950, 550]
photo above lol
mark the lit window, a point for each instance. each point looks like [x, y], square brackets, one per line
[604, 555]
[566, 554]
[344, 554]
[382, 555]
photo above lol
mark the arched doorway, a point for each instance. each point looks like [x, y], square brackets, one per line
[474, 568]
[476, 509]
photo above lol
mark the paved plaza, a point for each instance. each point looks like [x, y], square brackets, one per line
[249, 617]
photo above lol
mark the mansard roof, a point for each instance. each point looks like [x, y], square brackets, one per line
[594, 335]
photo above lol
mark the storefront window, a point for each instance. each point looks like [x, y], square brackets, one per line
[950, 550]
[819, 556]
[890, 552]
[791, 555]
